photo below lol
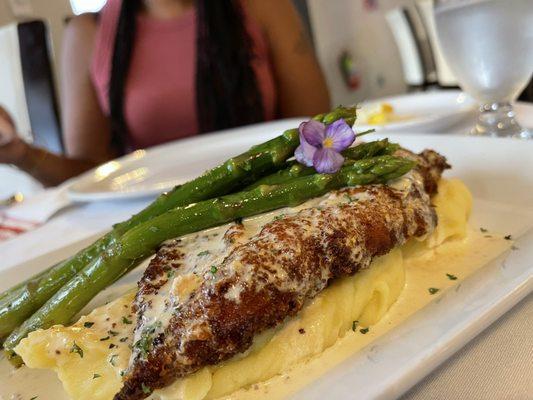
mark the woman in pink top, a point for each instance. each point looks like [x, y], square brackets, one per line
[147, 72]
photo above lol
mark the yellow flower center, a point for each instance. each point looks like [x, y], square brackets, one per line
[327, 143]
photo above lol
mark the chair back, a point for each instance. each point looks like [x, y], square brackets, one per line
[411, 57]
[445, 76]
[27, 88]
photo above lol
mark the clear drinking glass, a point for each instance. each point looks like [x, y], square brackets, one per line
[489, 47]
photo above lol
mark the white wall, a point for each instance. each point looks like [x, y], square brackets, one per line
[346, 25]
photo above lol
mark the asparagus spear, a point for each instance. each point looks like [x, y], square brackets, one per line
[293, 169]
[22, 301]
[143, 240]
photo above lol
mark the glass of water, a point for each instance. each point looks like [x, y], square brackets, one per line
[489, 47]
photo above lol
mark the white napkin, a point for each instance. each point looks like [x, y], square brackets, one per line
[40, 207]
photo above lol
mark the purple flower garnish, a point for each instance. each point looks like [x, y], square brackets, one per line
[321, 145]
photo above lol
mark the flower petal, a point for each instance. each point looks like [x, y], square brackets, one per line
[327, 161]
[304, 152]
[313, 132]
[341, 133]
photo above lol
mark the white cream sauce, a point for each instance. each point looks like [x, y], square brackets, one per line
[204, 252]
[458, 258]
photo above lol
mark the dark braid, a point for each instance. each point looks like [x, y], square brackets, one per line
[227, 94]
[226, 87]
[124, 39]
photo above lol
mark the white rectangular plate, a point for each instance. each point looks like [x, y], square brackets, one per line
[499, 172]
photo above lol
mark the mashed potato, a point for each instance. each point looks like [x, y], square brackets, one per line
[89, 361]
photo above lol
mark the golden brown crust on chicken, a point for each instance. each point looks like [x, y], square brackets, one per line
[268, 278]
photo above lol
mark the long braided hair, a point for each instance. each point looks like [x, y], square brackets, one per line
[227, 93]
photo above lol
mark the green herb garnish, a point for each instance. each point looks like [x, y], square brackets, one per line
[451, 277]
[364, 331]
[112, 360]
[354, 325]
[278, 217]
[214, 269]
[112, 333]
[203, 253]
[96, 376]
[146, 389]
[126, 321]
[104, 338]
[508, 237]
[123, 339]
[483, 230]
[88, 324]
[145, 342]
[76, 349]
[433, 290]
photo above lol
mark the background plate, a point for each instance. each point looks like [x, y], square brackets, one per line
[149, 172]
[430, 111]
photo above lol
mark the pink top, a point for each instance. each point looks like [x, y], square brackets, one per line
[160, 95]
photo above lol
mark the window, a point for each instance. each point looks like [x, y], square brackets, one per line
[83, 6]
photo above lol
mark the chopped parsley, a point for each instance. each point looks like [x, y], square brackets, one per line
[146, 389]
[112, 345]
[354, 325]
[203, 253]
[451, 277]
[104, 338]
[123, 339]
[96, 376]
[508, 237]
[433, 290]
[171, 273]
[34, 397]
[113, 360]
[145, 342]
[126, 321]
[364, 331]
[123, 372]
[214, 269]
[76, 349]
[112, 333]
[278, 217]
[301, 331]
[88, 324]
[483, 230]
